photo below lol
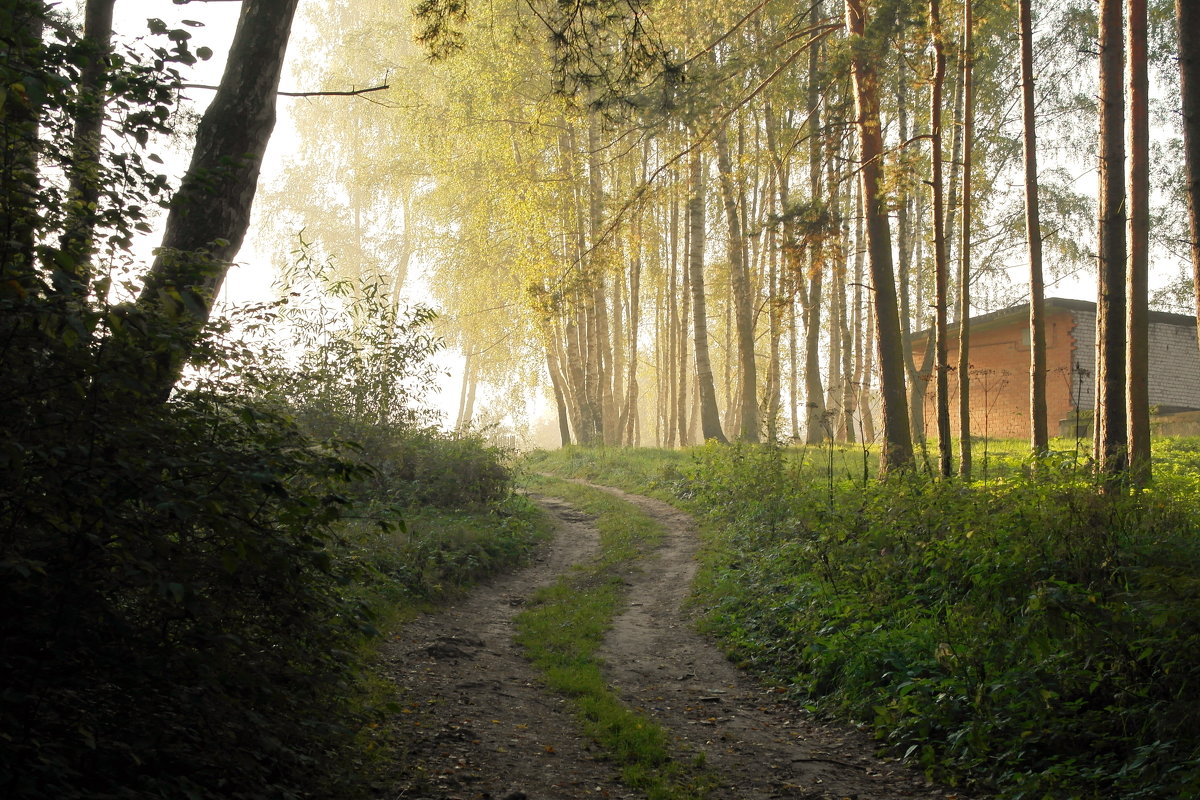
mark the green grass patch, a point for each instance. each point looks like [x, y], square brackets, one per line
[1021, 635]
[564, 628]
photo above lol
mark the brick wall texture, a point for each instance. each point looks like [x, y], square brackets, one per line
[999, 372]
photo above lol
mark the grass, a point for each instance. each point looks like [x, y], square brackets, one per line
[565, 626]
[1020, 634]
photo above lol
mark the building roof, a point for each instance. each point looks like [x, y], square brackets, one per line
[1004, 315]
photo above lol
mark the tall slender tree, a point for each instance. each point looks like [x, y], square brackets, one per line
[739, 269]
[1039, 437]
[1187, 16]
[710, 420]
[964, 271]
[1111, 425]
[941, 270]
[1137, 361]
[896, 452]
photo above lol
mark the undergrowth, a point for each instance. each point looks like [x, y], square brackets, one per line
[565, 626]
[1022, 636]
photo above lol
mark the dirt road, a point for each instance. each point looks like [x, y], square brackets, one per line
[477, 725]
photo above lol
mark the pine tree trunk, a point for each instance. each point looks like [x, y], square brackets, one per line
[896, 452]
[1138, 204]
[964, 273]
[1039, 437]
[1111, 425]
[1187, 14]
[941, 269]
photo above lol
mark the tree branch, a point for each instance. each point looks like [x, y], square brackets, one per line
[346, 93]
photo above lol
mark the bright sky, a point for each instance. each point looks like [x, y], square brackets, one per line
[252, 277]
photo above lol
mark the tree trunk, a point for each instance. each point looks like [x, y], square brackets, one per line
[630, 413]
[1188, 17]
[685, 297]
[739, 270]
[964, 273]
[554, 368]
[814, 391]
[77, 241]
[20, 183]
[597, 263]
[1039, 437]
[896, 452]
[674, 337]
[211, 211]
[1111, 426]
[1138, 204]
[710, 420]
[941, 270]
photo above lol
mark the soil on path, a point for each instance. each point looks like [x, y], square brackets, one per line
[477, 725]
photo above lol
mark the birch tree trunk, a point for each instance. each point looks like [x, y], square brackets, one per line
[742, 303]
[77, 241]
[211, 211]
[710, 421]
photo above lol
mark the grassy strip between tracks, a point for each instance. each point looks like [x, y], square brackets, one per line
[564, 628]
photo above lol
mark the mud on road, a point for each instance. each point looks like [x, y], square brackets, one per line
[477, 725]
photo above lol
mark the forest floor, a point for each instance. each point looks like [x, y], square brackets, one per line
[477, 724]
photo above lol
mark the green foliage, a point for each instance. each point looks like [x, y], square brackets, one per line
[1024, 636]
[188, 586]
[175, 623]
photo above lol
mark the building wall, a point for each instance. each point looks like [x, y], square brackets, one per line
[1000, 372]
[1174, 363]
[999, 377]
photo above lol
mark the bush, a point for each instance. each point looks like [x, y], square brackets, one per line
[174, 616]
[1028, 637]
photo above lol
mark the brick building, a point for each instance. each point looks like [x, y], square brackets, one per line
[1000, 368]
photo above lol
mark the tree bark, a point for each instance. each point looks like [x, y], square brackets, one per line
[20, 182]
[896, 452]
[1111, 425]
[742, 304]
[597, 263]
[815, 420]
[1039, 437]
[710, 421]
[84, 173]
[941, 270]
[1187, 14]
[211, 211]
[964, 273]
[1138, 204]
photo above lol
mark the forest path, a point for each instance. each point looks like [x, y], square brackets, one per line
[477, 724]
